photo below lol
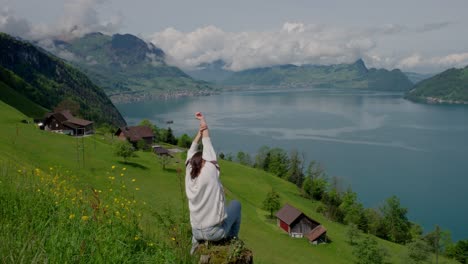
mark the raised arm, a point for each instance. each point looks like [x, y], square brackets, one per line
[208, 151]
[194, 147]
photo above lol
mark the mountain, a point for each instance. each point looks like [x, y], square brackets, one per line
[415, 77]
[31, 75]
[448, 87]
[355, 75]
[128, 68]
[211, 72]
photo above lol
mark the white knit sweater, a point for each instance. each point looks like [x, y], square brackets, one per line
[205, 193]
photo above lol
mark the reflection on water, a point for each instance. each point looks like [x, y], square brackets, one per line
[378, 143]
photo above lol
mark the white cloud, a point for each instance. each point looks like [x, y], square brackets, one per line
[79, 17]
[413, 61]
[295, 43]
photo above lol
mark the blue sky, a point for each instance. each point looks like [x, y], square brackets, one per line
[421, 36]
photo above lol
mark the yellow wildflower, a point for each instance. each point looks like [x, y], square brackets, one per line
[85, 218]
[19, 171]
[71, 216]
[124, 169]
[151, 244]
[137, 189]
[133, 180]
[136, 238]
[121, 174]
[113, 166]
[173, 238]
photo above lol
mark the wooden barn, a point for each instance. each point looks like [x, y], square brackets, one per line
[299, 225]
[64, 122]
[136, 133]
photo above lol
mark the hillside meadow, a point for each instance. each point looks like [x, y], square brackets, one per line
[161, 207]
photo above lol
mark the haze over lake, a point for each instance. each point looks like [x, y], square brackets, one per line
[377, 143]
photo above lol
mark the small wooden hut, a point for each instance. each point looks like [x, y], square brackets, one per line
[299, 225]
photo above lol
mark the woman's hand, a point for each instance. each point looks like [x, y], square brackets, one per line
[199, 116]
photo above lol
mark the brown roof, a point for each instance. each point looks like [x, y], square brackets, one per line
[79, 121]
[315, 233]
[135, 133]
[288, 214]
[67, 114]
[68, 119]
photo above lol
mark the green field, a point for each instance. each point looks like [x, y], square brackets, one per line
[160, 191]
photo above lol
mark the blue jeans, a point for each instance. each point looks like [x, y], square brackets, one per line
[229, 228]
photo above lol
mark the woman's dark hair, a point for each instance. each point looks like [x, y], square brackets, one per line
[196, 162]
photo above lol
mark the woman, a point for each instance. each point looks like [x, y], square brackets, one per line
[210, 219]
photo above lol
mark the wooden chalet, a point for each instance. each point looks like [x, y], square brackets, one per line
[64, 122]
[297, 224]
[136, 133]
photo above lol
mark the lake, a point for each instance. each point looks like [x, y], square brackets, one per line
[376, 142]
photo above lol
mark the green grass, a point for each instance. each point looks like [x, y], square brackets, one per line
[26, 106]
[161, 194]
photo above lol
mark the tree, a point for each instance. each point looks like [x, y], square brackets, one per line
[141, 145]
[318, 183]
[353, 234]
[417, 251]
[438, 240]
[164, 160]
[262, 158]
[125, 150]
[375, 224]
[368, 251]
[395, 220]
[351, 208]
[244, 158]
[154, 128]
[332, 201]
[221, 155]
[184, 141]
[278, 162]
[458, 251]
[295, 172]
[166, 135]
[68, 104]
[271, 202]
[307, 187]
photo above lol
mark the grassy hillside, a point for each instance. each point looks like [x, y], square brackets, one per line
[47, 80]
[91, 160]
[450, 86]
[10, 96]
[355, 75]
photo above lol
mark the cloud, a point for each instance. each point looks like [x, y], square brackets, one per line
[79, 17]
[10, 24]
[433, 26]
[295, 43]
[456, 60]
